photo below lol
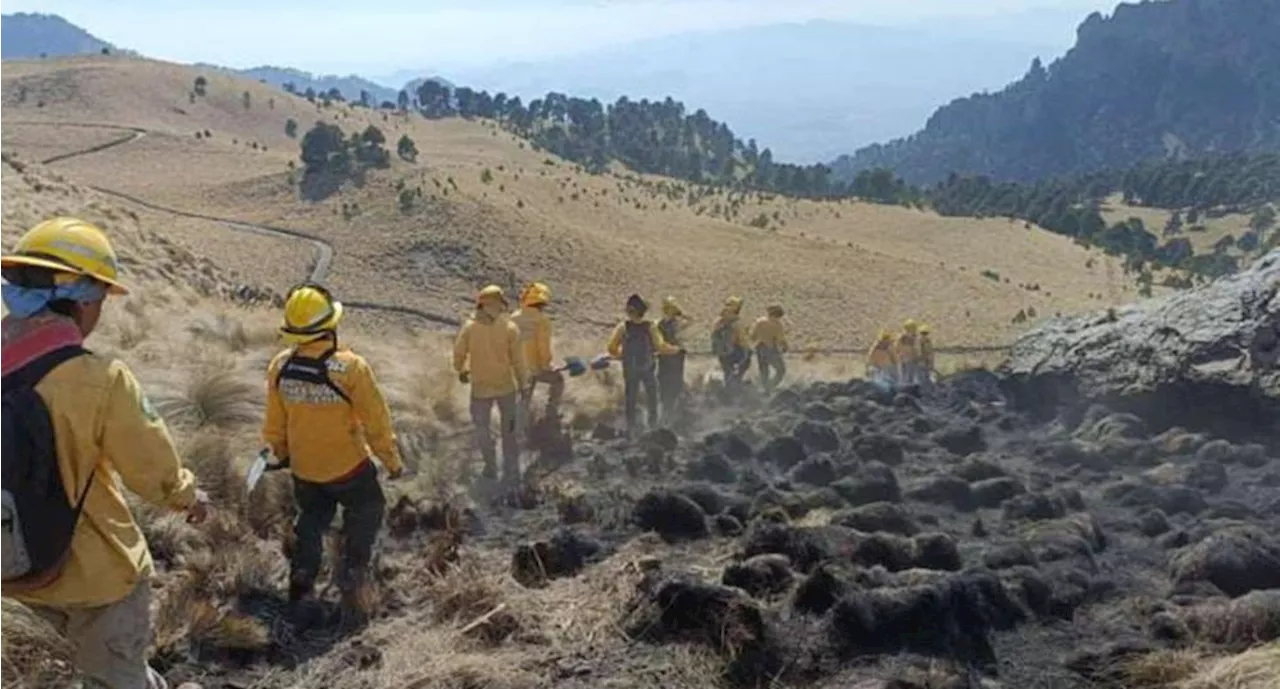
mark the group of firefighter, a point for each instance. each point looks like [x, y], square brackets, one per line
[325, 420]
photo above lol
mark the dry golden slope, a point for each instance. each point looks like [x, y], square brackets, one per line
[841, 269]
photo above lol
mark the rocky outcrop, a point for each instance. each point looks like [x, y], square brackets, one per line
[1203, 358]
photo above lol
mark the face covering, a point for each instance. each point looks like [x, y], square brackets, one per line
[25, 302]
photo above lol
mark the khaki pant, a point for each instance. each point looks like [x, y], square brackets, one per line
[481, 414]
[110, 641]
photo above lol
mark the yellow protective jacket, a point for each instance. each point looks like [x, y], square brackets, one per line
[926, 351]
[324, 437]
[535, 338]
[739, 337]
[660, 345]
[881, 356]
[769, 332]
[905, 349]
[102, 419]
[491, 348]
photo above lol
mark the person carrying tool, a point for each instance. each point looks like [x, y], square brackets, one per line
[906, 350]
[637, 342]
[671, 368]
[78, 429]
[729, 343]
[487, 356]
[926, 355]
[325, 419]
[535, 347]
[882, 363]
[769, 335]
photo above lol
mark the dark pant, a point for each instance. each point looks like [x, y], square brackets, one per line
[555, 392]
[734, 366]
[634, 379]
[670, 384]
[363, 506]
[772, 366]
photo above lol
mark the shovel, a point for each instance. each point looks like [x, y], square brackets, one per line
[260, 467]
[575, 366]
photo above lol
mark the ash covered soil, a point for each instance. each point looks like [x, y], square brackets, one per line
[838, 535]
[822, 536]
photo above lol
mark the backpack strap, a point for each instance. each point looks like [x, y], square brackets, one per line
[34, 371]
[311, 370]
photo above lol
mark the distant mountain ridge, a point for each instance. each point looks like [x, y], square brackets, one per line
[33, 35]
[807, 90]
[1176, 78]
[350, 86]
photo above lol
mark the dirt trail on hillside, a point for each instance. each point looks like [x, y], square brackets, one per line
[320, 265]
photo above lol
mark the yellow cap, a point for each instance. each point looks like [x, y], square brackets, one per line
[72, 246]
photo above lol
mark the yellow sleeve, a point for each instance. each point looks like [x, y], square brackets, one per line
[543, 344]
[275, 427]
[137, 442]
[462, 348]
[615, 342]
[740, 335]
[371, 409]
[660, 345]
[516, 352]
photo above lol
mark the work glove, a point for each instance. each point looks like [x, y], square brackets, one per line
[464, 378]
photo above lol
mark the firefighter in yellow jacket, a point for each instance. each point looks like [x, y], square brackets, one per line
[487, 356]
[671, 368]
[925, 349]
[97, 591]
[535, 347]
[882, 362]
[769, 336]
[730, 344]
[326, 419]
[907, 351]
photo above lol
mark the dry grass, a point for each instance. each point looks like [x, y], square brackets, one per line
[1237, 623]
[1161, 669]
[35, 654]
[841, 269]
[1154, 219]
[1257, 668]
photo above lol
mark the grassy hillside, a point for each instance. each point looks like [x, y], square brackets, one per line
[493, 209]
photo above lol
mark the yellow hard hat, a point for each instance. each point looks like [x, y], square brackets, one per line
[491, 292]
[536, 294]
[910, 325]
[309, 312]
[925, 329]
[671, 307]
[733, 304]
[72, 246]
[884, 336]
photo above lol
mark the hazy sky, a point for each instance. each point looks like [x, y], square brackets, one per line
[380, 36]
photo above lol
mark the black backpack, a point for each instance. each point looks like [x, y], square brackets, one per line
[39, 519]
[637, 346]
[314, 370]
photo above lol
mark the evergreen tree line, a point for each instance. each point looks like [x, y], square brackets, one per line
[656, 137]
